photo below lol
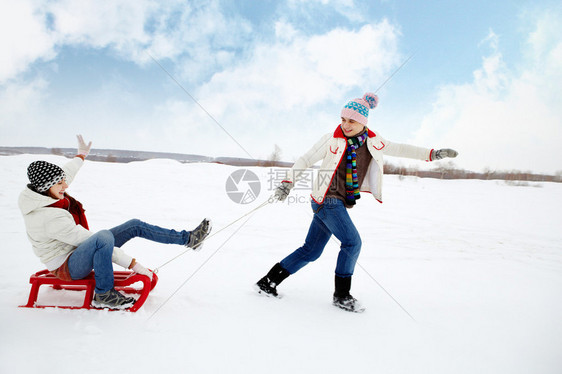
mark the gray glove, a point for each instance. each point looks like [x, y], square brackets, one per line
[283, 190]
[443, 153]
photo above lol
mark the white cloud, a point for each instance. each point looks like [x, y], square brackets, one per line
[505, 118]
[23, 36]
[292, 91]
[305, 71]
[284, 31]
[289, 90]
[298, 79]
[32, 31]
[97, 24]
[20, 105]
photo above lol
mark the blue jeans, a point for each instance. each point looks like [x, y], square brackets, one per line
[95, 252]
[330, 218]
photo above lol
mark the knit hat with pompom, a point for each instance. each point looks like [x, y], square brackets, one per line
[358, 109]
[43, 175]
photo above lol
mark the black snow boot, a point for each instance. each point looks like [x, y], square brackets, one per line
[268, 284]
[342, 297]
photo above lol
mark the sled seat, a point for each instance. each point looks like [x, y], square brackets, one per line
[123, 279]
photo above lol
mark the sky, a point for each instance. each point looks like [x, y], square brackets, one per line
[238, 78]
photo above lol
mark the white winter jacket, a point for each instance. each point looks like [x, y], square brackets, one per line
[53, 233]
[331, 149]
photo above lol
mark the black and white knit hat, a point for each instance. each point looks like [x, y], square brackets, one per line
[44, 175]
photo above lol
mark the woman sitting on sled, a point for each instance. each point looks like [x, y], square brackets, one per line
[58, 230]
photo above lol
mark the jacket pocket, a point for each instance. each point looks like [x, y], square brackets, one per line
[316, 207]
[378, 145]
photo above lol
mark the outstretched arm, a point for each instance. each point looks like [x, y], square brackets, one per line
[72, 167]
[419, 153]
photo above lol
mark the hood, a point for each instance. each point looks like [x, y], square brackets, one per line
[30, 200]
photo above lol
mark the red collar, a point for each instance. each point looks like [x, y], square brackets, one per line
[62, 203]
[75, 208]
[339, 133]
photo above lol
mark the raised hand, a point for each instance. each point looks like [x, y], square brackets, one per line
[83, 149]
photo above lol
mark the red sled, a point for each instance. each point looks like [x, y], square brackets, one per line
[123, 279]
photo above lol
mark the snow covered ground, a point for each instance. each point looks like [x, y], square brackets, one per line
[477, 264]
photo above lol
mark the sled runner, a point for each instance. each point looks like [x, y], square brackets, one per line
[123, 279]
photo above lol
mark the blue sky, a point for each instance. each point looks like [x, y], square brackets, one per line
[485, 77]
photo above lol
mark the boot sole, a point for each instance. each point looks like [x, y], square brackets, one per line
[263, 293]
[98, 305]
[200, 246]
[358, 310]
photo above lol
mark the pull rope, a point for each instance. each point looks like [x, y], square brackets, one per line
[268, 201]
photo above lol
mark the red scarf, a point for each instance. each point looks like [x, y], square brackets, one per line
[75, 208]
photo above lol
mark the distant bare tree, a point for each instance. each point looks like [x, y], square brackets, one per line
[273, 158]
[445, 168]
[276, 154]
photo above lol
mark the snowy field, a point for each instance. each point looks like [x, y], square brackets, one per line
[477, 264]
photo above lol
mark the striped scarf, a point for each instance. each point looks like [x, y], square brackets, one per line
[351, 179]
